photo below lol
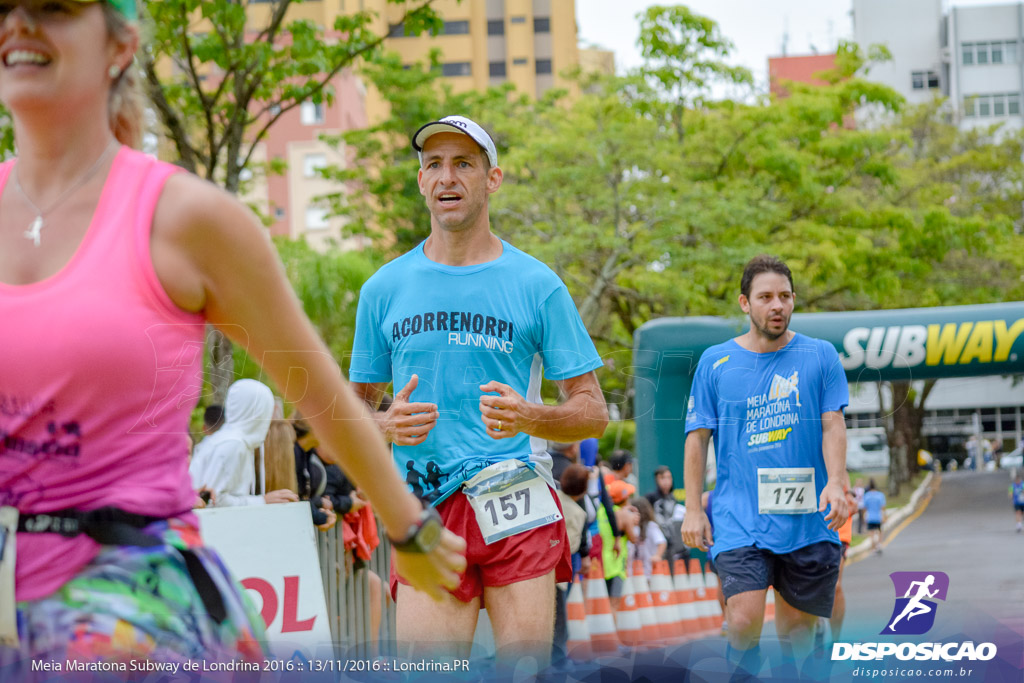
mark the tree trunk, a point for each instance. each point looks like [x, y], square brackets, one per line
[221, 369]
[904, 421]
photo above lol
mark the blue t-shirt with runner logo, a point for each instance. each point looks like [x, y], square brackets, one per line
[764, 411]
[458, 327]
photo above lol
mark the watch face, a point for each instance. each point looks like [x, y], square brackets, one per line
[429, 535]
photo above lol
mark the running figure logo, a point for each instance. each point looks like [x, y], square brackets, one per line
[784, 387]
[914, 612]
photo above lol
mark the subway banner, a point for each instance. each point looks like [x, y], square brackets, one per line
[906, 344]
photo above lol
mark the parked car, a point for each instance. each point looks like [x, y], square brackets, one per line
[867, 449]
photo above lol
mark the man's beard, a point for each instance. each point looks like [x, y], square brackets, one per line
[766, 333]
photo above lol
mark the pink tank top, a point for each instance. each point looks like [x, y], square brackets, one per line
[99, 372]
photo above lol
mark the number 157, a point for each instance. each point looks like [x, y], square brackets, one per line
[509, 509]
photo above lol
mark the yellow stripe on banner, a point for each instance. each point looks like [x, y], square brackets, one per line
[917, 513]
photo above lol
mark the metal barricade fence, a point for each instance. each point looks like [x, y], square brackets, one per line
[349, 599]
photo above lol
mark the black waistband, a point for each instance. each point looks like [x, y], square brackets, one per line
[113, 526]
[108, 525]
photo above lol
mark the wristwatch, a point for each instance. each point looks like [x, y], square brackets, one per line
[423, 535]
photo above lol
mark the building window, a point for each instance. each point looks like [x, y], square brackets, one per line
[542, 24]
[311, 163]
[397, 30]
[543, 66]
[279, 214]
[1000, 104]
[496, 27]
[497, 68]
[984, 105]
[519, 61]
[517, 20]
[311, 113]
[921, 79]
[453, 28]
[316, 218]
[981, 53]
[997, 53]
[457, 69]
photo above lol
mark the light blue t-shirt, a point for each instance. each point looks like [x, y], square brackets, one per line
[764, 411]
[458, 327]
[874, 503]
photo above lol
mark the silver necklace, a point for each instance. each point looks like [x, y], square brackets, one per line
[36, 227]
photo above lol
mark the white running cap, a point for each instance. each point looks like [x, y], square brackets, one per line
[458, 124]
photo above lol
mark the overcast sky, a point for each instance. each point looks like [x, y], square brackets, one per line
[757, 28]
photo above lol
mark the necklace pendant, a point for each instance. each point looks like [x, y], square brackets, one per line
[34, 230]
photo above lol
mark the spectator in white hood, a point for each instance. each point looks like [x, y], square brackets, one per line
[222, 462]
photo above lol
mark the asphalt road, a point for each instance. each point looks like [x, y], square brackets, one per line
[967, 531]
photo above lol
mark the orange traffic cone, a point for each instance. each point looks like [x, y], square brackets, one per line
[664, 602]
[769, 606]
[700, 596]
[684, 595]
[648, 617]
[578, 644]
[600, 623]
[627, 619]
[714, 589]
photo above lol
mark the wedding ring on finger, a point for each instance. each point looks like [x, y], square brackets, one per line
[499, 426]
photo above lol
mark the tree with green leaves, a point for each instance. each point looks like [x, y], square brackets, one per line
[684, 53]
[642, 222]
[221, 74]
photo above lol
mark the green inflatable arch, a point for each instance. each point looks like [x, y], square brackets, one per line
[916, 343]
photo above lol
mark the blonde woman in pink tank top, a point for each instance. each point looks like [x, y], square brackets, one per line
[110, 265]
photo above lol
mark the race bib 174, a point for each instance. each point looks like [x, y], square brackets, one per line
[786, 491]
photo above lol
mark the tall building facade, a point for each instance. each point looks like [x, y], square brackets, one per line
[985, 45]
[483, 43]
[970, 54]
[529, 43]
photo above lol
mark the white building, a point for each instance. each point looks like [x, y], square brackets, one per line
[991, 406]
[970, 54]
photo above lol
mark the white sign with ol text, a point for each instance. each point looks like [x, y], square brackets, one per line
[271, 550]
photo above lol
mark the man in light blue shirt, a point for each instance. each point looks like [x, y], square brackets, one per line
[464, 326]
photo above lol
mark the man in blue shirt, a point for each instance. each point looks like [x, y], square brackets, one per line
[874, 512]
[462, 326]
[773, 401]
